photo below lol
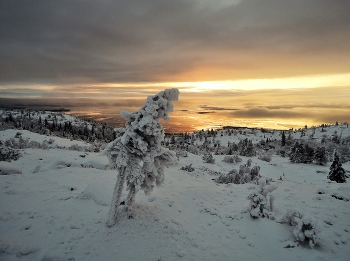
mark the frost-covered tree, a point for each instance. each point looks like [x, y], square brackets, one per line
[337, 173]
[137, 153]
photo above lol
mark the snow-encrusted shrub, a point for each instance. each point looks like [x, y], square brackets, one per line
[76, 147]
[265, 157]
[192, 149]
[306, 228]
[244, 175]
[188, 168]
[232, 159]
[34, 144]
[246, 148]
[137, 152]
[208, 158]
[181, 153]
[261, 204]
[9, 154]
[231, 177]
[344, 153]
[254, 173]
[292, 217]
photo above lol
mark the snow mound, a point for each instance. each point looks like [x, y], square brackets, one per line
[7, 168]
[96, 164]
[98, 193]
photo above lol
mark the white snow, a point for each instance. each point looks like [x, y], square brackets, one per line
[7, 168]
[57, 210]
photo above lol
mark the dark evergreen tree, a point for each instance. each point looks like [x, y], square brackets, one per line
[283, 139]
[337, 173]
[309, 154]
[321, 156]
[297, 154]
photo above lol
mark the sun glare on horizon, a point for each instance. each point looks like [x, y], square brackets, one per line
[312, 81]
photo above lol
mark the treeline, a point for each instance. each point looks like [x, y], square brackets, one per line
[56, 124]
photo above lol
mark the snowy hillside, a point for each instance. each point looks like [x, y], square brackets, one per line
[56, 209]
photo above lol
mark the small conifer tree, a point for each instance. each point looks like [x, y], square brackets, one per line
[283, 139]
[337, 173]
[321, 156]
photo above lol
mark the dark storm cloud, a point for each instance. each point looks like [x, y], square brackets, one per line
[158, 40]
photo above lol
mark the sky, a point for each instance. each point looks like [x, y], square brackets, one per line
[256, 63]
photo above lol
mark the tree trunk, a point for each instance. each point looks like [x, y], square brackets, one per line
[118, 189]
[130, 200]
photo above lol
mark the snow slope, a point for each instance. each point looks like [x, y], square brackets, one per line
[57, 209]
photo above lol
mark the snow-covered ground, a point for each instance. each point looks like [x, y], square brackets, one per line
[57, 208]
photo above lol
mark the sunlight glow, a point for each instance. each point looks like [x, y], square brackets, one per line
[312, 81]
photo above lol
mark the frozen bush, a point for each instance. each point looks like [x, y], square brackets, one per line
[34, 144]
[232, 159]
[9, 154]
[208, 158]
[246, 148]
[254, 173]
[261, 204]
[228, 178]
[192, 149]
[188, 168]
[244, 175]
[265, 157]
[181, 153]
[75, 147]
[306, 228]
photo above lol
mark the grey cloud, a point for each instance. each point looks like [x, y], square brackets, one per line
[341, 116]
[214, 108]
[322, 114]
[266, 113]
[152, 40]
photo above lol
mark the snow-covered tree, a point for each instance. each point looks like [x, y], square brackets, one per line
[337, 173]
[137, 153]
